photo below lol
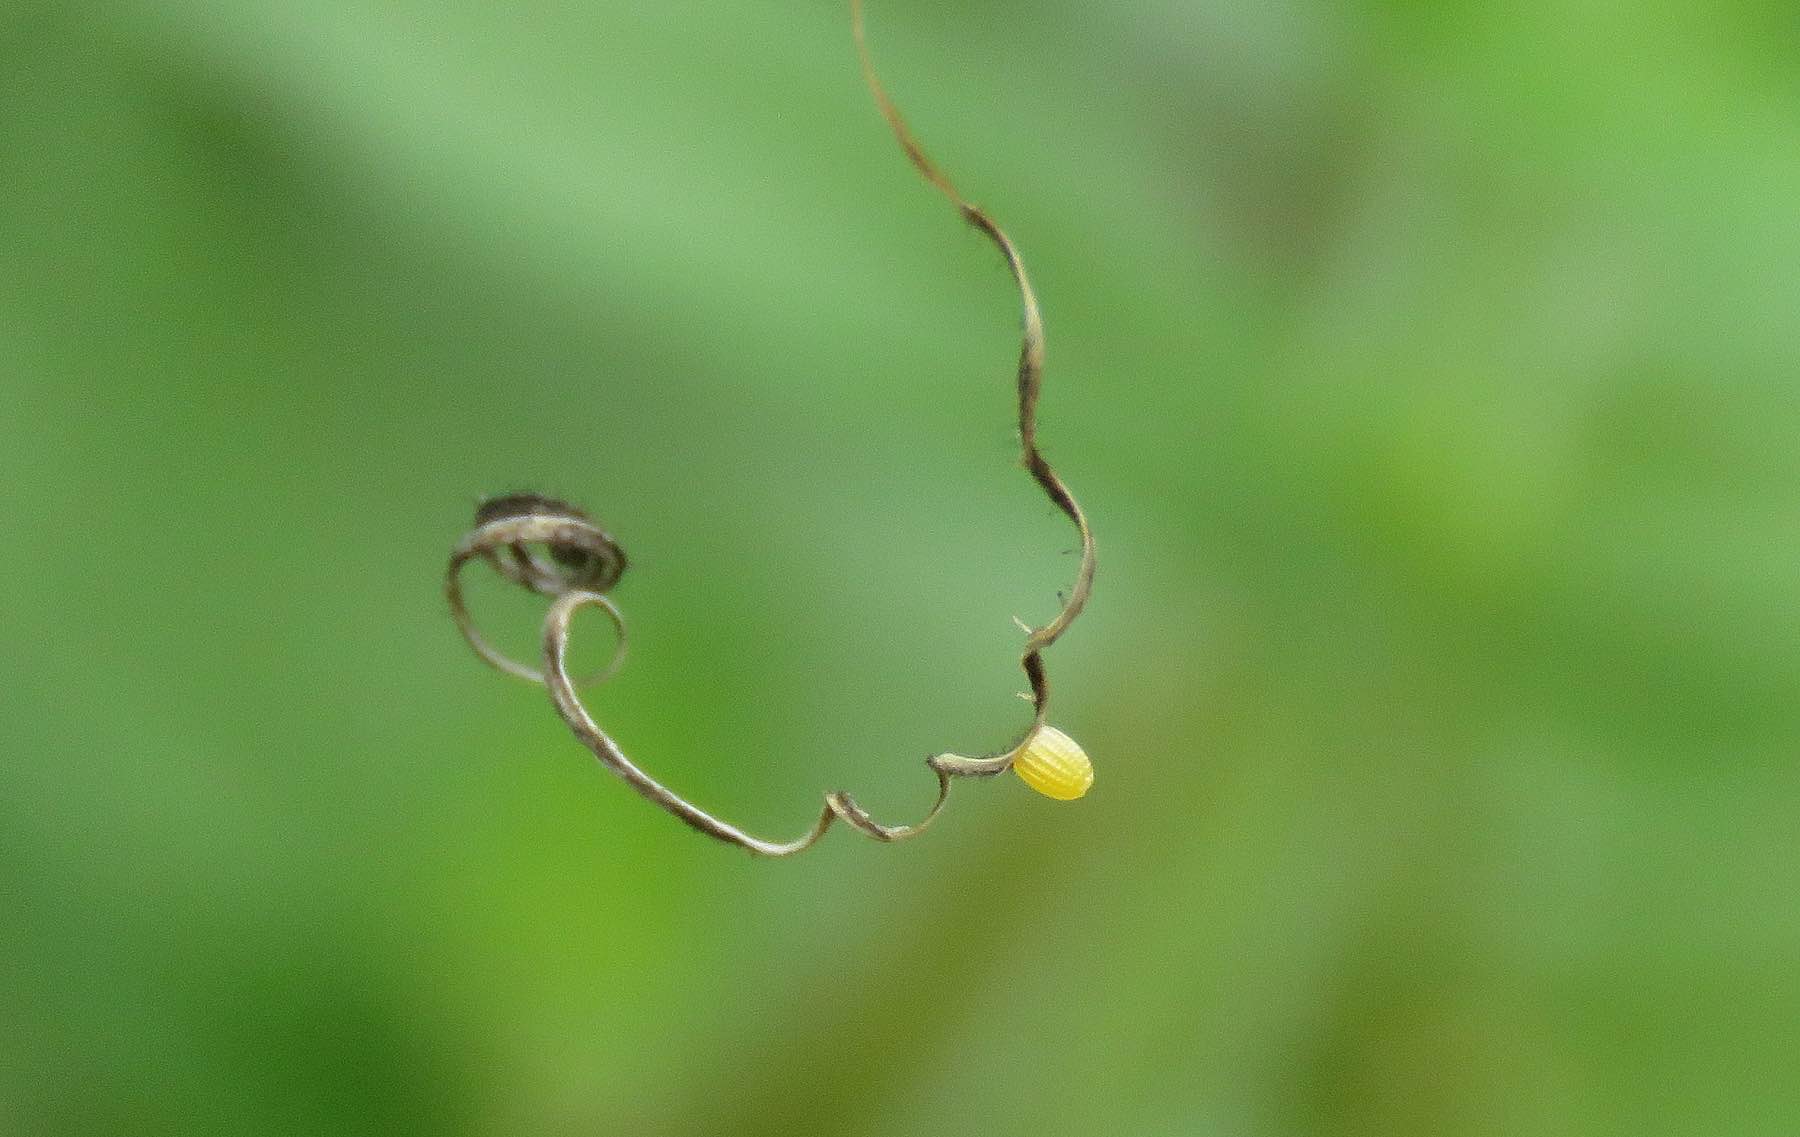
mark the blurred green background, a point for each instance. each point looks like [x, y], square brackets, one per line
[1429, 371]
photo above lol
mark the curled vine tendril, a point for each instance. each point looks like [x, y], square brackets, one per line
[553, 549]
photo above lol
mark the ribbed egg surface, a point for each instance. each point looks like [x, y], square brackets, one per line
[1052, 764]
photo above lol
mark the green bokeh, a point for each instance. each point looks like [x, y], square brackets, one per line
[1432, 375]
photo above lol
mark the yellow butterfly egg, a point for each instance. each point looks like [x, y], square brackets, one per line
[1052, 764]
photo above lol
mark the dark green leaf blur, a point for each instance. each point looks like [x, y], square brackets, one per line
[1431, 372]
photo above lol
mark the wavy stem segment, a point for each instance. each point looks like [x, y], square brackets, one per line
[581, 562]
[1030, 384]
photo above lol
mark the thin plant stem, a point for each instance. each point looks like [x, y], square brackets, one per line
[553, 549]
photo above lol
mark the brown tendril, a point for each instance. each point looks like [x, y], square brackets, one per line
[578, 563]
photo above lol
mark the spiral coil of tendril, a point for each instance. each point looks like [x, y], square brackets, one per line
[553, 549]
